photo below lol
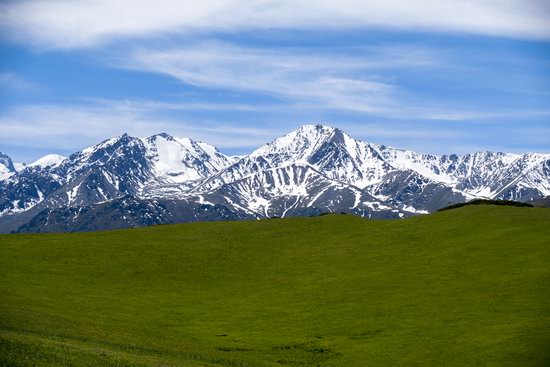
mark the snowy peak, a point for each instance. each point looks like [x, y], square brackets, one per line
[7, 167]
[107, 145]
[348, 160]
[109, 153]
[327, 150]
[159, 166]
[330, 151]
[297, 145]
[50, 160]
[5, 160]
[157, 160]
[182, 159]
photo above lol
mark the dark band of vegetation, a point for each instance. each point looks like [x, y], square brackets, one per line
[488, 202]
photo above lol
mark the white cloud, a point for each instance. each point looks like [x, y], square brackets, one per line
[87, 23]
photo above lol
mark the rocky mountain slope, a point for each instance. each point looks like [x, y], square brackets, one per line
[315, 169]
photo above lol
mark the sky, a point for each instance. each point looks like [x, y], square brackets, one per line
[435, 76]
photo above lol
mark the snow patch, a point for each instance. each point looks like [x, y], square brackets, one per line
[50, 160]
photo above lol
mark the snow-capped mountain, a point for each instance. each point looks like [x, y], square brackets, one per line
[325, 149]
[315, 169]
[115, 168]
[481, 175]
[342, 161]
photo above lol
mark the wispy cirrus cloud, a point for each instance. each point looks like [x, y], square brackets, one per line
[88, 23]
[14, 82]
[360, 82]
[300, 77]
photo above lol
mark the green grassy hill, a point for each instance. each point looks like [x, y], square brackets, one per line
[464, 287]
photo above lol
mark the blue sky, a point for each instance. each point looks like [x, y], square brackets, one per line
[440, 77]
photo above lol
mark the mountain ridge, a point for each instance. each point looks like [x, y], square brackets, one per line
[314, 169]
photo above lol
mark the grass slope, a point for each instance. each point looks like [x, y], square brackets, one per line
[467, 287]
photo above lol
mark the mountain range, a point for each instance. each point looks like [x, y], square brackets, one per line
[126, 182]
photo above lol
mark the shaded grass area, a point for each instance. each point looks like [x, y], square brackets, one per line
[464, 287]
[488, 202]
